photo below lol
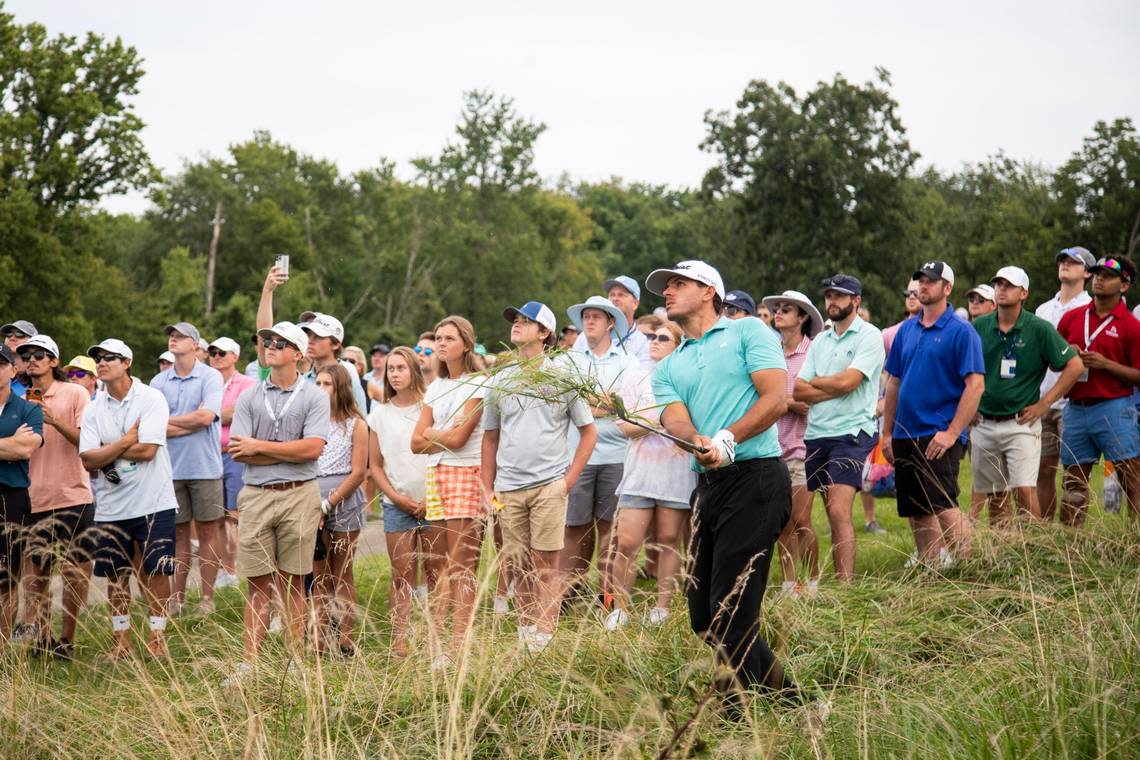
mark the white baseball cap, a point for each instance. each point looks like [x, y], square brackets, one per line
[1015, 276]
[112, 346]
[985, 291]
[166, 356]
[692, 269]
[40, 341]
[323, 326]
[229, 345]
[289, 332]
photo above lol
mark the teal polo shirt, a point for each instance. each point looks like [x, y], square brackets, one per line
[16, 412]
[712, 377]
[859, 347]
[1034, 345]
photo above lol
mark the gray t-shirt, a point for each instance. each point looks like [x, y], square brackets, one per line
[301, 411]
[532, 431]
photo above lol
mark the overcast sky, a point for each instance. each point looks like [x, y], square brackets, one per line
[622, 86]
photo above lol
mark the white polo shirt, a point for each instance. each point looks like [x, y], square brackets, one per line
[144, 487]
[1052, 311]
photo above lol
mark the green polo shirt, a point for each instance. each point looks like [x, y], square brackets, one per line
[1035, 345]
[712, 377]
[859, 347]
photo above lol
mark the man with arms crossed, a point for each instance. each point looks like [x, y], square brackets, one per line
[840, 379]
[524, 463]
[935, 378]
[723, 389]
[1017, 348]
[123, 435]
[278, 432]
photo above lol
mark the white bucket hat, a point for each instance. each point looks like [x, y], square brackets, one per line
[815, 320]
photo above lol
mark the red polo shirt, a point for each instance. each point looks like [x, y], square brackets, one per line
[1119, 342]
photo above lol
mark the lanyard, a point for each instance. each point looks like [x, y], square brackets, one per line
[1009, 343]
[284, 410]
[1089, 339]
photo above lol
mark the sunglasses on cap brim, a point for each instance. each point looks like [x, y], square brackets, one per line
[1114, 266]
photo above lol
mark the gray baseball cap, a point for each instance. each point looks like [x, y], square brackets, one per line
[184, 328]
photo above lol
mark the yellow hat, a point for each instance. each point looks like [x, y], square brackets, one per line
[85, 363]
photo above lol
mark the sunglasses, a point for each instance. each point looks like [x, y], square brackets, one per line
[663, 338]
[279, 343]
[15, 334]
[910, 293]
[216, 352]
[732, 311]
[104, 358]
[974, 298]
[77, 374]
[37, 354]
[787, 308]
[422, 350]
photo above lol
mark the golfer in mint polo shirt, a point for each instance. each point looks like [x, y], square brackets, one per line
[723, 389]
[935, 379]
[1018, 348]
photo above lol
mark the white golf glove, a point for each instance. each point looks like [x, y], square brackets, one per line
[725, 442]
[325, 507]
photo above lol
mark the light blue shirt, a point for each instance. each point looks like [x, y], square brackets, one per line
[197, 456]
[712, 377]
[611, 369]
[859, 347]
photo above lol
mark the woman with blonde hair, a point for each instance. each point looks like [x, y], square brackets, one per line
[400, 475]
[448, 431]
[340, 471]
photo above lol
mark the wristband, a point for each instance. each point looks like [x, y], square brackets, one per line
[725, 441]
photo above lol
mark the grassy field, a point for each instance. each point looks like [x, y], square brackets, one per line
[1029, 649]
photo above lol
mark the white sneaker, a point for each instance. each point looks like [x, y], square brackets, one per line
[440, 662]
[657, 616]
[226, 579]
[790, 589]
[276, 627]
[242, 671]
[526, 633]
[502, 606]
[946, 558]
[812, 589]
[616, 619]
[912, 560]
[421, 591]
[538, 641]
[206, 606]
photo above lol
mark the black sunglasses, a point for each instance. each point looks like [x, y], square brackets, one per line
[279, 344]
[101, 358]
[37, 354]
[732, 311]
[216, 352]
[975, 298]
[662, 338]
[910, 293]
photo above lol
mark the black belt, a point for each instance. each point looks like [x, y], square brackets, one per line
[735, 470]
[999, 417]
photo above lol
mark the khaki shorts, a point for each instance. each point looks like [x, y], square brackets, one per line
[277, 530]
[199, 500]
[797, 472]
[1051, 427]
[1005, 455]
[534, 518]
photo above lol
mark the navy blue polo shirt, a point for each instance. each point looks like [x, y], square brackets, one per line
[931, 364]
[14, 474]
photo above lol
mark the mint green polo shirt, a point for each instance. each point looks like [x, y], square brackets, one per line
[859, 347]
[1035, 346]
[712, 377]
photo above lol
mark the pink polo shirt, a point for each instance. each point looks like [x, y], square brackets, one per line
[791, 427]
[237, 385]
[56, 471]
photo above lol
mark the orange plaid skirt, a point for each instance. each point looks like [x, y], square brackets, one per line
[454, 493]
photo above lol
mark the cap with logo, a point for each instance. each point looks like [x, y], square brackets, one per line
[229, 345]
[40, 341]
[535, 311]
[842, 283]
[323, 326]
[1116, 265]
[20, 325]
[85, 363]
[380, 348]
[626, 282]
[986, 292]
[1015, 276]
[935, 270]
[1077, 253]
[111, 346]
[741, 300]
[184, 328]
[692, 269]
[289, 332]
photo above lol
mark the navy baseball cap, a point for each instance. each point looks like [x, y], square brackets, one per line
[535, 311]
[741, 300]
[380, 348]
[1077, 253]
[935, 270]
[842, 283]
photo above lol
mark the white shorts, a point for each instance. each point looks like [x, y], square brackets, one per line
[1005, 455]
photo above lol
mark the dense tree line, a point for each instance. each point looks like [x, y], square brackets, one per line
[800, 185]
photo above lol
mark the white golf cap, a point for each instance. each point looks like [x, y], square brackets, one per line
[166, 356]
[40, 341]
[324, 326]
[1015, 276]
[985, 291]
[112, 346]
[289, 332]
[229, 345]
[692, 269]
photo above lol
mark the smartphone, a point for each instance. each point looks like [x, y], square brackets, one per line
[281, 261]
[34, 394]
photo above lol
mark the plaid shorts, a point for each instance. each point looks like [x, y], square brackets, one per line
[454, 493]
